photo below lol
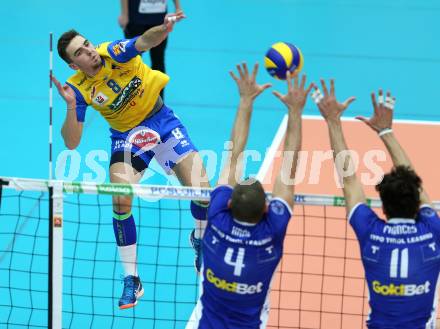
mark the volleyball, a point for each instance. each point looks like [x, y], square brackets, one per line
[281, 57]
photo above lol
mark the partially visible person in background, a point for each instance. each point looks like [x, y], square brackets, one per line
[137, 16]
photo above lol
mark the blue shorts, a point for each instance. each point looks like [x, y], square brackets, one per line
[162, 136]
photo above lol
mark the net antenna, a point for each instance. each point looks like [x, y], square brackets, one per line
[50, 102]
[55, 268]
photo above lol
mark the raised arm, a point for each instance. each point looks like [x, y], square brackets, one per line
[332, 110]
[154, 36]
[295, 100]
[72, 128]
[249, 90]
[381, 122]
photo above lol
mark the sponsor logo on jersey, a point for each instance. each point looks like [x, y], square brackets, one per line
[100, 99]
[116, 50]
[119, 47]
[234, 287]
[144, 138]
[401, 289]
[127, 94]
[122, 45]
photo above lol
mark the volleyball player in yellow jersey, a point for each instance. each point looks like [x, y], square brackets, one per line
[113, 79]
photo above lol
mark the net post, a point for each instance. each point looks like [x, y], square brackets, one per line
[55, 272]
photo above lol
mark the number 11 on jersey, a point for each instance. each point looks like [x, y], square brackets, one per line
[403, 263]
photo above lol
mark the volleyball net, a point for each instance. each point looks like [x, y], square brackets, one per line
[59, 266]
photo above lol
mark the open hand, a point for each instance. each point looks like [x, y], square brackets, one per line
[383, 112]
[328, 105]
[296, 96]
[171, 19]
[247, 85]
[66, 93]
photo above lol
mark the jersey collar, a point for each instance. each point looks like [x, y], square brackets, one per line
[401, 221]
[244, 223]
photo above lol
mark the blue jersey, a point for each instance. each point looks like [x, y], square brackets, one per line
[401, 258]
[239, 261]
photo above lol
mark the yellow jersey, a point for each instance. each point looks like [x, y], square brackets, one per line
[124, 91]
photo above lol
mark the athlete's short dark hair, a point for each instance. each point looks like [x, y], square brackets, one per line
[400, 193]
[248, 201]
[63, 42]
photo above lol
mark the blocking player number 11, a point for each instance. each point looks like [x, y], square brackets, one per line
[397, 255]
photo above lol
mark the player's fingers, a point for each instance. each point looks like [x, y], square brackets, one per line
[266, 86]
[255, 71]
[309, 88]
[55, 80]
[317, 95]
[180, 15]
[240, 71]
[245, 69]
[348, 101]
[366, 121]
[289, 80]
[361, 118]
[303, 81]
[169, 26]
[278, 95]
[66, 89]
[332, 87]
[173, 18]
[296, 80]
[374, 102]
[380, 99]
[58, 85]
[233, 76]
[324, 87]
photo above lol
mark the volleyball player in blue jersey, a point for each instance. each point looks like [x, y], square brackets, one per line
[243, 241]
[401, 255]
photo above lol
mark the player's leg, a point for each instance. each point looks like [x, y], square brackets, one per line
[124, 226]
[191, 172]
[178, 154]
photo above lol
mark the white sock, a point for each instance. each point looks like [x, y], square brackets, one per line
[129, 259]
[200, 226]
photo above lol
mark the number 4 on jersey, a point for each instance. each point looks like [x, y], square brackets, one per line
[238, 264]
